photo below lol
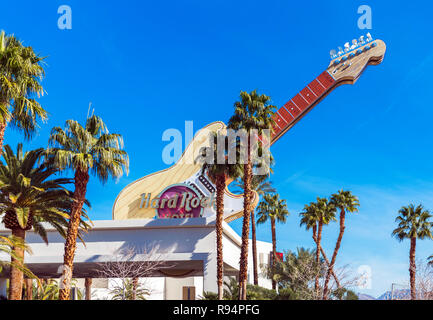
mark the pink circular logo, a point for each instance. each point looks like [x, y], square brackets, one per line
[180, 202]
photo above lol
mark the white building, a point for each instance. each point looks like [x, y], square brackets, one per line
[185, 251]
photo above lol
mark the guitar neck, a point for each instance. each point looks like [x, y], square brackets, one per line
[297, 107]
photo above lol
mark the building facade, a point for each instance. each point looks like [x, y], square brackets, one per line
[178, 256]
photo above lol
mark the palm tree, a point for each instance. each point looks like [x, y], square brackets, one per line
[430, 259]
[413, 224]
[28, 197]
[219, 171]
[310, 218]
[262, 186]
[7, 245]
[324, 212]
[231, 291]
[129, 291]
[49, 290]
[20, 74]
[83, 149]
[346, 202]
[252, 112]
[275, 209]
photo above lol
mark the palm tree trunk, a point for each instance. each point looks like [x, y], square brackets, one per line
[2, 135]
[17, 277]
[412, 268]
[88, 285]
[81, 180]
[220, 186]
[319, 238]
[334, 255]
[324, 257]
[29, 289]
[316, 280]
[274, 251]
[327, 263]
[134, 288]
[243, 269]
[40, 288]
[254, 244]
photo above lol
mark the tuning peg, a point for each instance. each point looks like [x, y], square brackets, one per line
[333, 54]
[369, 37]
[361, 40]
[346, 47]
[354, 44]
[340, 51]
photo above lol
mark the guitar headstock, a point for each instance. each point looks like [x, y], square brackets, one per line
[349, 62]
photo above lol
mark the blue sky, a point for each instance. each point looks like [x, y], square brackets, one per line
[147, 66]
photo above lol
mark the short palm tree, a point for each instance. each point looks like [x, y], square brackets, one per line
[82, 149]
[346, 202]
[219, 170]
[430, 260]
[252, 112]
[274, 209]
[29, 196]
[413, 223]
[21, 71]
[49, 290]
[129, 291]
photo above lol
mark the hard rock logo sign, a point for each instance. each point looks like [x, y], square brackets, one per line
[177, 201]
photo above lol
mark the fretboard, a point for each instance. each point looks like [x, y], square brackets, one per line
[297, 107]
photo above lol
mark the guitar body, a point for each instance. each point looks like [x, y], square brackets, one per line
[186, 176]
[184, 172]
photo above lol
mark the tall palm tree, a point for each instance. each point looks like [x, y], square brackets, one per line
[346, 202]
[262, 186]
[82, 149]
[310, 218]
[274, 209]
[21, 71]
[29, 196]
[252, 112]
[219, 171]
[413, 223]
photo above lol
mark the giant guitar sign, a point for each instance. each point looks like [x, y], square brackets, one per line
[194, 191]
